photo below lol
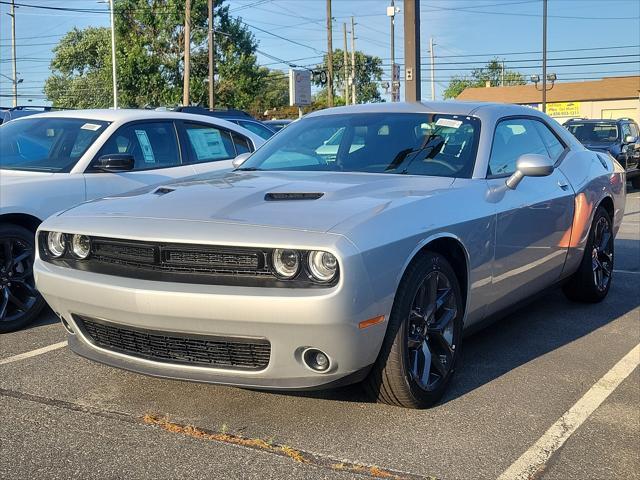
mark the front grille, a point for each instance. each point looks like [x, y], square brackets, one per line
[211, 259]
[196, 259]
[217, 352]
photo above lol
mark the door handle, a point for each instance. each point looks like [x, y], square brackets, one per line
[563, 185]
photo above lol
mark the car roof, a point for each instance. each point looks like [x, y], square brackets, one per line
[452, 107]
[126, 114]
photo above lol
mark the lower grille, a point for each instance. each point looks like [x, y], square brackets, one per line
[218, 352]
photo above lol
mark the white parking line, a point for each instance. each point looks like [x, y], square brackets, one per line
[33, 353]
[533, 459]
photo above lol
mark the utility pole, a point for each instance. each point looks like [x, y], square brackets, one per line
[13, 48]
[114, 73]
[412, 91]
[187, 53]
[212, 46]
[345, 65]
[353, 62]
[502, 81]
[391, 13]
[329, 56]
[433, 79]
[544, 55]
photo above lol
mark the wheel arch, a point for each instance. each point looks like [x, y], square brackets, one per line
[452, 248]
[24, 220]
[607, 204]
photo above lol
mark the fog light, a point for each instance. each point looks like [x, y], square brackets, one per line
[316, 360]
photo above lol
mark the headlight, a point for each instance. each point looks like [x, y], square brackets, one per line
[286, 262]
[323, 265]
[81, 246]
[56, 244]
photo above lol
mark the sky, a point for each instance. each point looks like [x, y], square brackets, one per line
[587, 39]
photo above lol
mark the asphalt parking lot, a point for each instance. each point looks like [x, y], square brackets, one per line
[65, 417]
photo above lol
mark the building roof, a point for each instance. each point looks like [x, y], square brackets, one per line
[613, 88]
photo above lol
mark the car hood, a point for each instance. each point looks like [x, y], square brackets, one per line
[312, 201]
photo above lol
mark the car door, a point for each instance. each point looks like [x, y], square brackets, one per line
[534, 220]
[208, 147]
[157, 155]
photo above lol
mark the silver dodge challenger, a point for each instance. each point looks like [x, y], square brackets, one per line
[358, 244]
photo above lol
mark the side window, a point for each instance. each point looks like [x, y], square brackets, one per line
[634, 130]
[513, 138]
[243, 145]
[208, 143]
[552, 143]
[626, 130]
[152, 144]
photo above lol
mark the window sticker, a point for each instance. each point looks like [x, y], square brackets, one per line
[207, 143]
[447, 122]
[145, 145]
[90, 126]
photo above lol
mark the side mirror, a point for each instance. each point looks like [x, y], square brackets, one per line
[115, 162]
[630, 139]
[240, 159]
[530, 165]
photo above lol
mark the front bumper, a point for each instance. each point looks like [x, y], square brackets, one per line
[290, 319]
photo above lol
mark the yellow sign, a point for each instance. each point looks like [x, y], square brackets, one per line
[563, 109]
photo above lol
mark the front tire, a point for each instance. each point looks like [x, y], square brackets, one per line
[591, 283]
[422, 344]
[20, 302]
[635, 181]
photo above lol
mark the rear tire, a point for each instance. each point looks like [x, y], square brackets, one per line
[20, 302]
[422, 344]
[591, 283]
[635, 181]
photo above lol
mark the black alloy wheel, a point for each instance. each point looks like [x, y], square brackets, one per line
[20, 302]
[602, 254]
[592, 281]
[421, 347]
[431, 344]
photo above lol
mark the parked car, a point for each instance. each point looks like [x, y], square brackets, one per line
[620, 138]
[12, 113]
[238, 117]
[296, 272]
[277, 125]
[52, 161]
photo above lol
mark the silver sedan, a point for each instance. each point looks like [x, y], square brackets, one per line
[356, 245]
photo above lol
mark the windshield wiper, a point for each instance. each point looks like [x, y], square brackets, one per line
[249, 169]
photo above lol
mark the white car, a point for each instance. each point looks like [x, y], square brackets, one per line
[52, 161]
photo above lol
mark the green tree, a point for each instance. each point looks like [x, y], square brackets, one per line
[492, 73]
[368, 76]
[150, 44]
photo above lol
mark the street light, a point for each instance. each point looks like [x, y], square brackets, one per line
[546, 80]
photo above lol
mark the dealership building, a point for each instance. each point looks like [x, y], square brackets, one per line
[614, 97]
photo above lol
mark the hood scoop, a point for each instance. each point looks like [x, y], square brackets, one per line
[163, 190]
[282, 196]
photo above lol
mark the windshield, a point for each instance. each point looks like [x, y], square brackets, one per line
[591, 132]
[257, 128]
[405, 143]
[46, 144]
